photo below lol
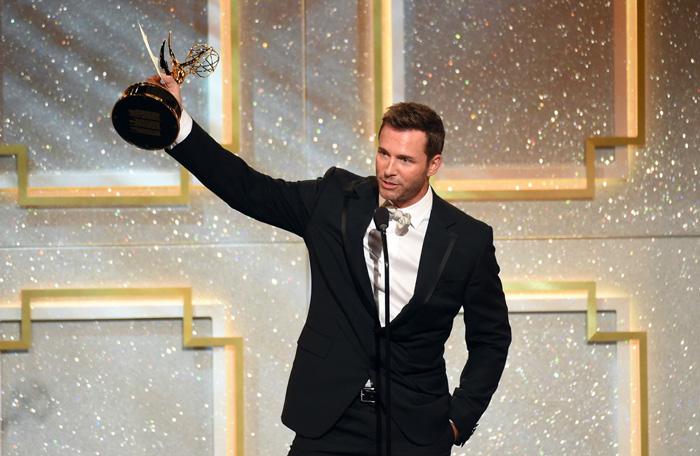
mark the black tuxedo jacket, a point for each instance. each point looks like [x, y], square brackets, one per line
[341, 338]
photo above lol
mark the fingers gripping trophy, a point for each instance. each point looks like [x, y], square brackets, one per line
[147, 115]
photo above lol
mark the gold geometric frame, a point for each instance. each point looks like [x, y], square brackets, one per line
[92, 196]
[595, 336]
[140, 196]
[510, 287]
[233, 344]
[634, 31]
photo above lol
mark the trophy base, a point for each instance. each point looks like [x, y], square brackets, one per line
[147, 116]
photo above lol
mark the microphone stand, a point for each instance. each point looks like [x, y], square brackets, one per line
[387, 328]
[381, 220]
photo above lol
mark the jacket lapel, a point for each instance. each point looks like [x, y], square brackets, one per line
[361, 199]
[437, 246]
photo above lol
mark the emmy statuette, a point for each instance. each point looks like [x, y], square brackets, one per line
[148, 115]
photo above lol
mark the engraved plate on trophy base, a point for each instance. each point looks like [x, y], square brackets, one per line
[147, 116]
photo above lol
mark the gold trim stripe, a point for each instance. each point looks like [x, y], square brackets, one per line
[595, 336]
[232, 30]
[382, 60]
[189, 340]
[378, 14]
[91, 196]
[234, 344]
[517, 287]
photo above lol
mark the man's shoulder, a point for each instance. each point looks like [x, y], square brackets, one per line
[341, 174]
[462, 219]
[345, 179]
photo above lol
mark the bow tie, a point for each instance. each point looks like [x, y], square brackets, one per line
[402, 219]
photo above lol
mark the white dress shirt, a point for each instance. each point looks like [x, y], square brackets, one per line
[404, 256]
[185, 129]
[404, 246]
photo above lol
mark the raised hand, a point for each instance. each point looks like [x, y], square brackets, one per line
[169, 83]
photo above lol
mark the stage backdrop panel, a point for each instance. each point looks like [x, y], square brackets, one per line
[109, 388]
[517, 84]
[307, 80]
[558, 394]
[70, 62]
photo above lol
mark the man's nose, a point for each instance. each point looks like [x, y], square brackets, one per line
[390, 168]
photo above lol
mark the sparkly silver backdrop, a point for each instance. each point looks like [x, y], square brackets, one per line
[306, 105]
[107, 387]
[66, 64]
[489, 66]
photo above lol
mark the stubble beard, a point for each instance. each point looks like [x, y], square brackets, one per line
[398, 196]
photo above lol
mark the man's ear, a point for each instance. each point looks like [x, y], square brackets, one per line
[434, 164]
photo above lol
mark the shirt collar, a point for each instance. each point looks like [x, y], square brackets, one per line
[420, 210]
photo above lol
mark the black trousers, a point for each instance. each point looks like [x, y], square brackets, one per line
[355, 435]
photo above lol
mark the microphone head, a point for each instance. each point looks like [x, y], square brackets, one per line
[381, 218]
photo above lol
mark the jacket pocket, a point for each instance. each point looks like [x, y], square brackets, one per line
[314, 342]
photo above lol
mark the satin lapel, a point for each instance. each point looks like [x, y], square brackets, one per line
[437, 246]
[358, 207]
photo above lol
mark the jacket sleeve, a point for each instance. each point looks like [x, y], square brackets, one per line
[488, 337]
[286, 205]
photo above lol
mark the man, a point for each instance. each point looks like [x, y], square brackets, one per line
[441, 260]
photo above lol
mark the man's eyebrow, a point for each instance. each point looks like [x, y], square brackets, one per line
[400, 156]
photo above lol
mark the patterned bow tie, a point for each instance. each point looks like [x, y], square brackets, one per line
[402, 219]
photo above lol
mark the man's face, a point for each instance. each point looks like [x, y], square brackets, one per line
[402, 166]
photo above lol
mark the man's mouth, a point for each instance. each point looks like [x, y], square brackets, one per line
[388, 185]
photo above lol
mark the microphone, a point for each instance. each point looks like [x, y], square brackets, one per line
[381, 218]
[381, 221]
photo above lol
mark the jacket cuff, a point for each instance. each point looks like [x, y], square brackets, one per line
[464, 432]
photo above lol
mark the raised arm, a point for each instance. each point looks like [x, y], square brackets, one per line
[284, 204]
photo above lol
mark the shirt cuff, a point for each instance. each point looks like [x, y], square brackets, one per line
[185, 128]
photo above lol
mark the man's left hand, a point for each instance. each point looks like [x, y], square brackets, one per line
[455, 432]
